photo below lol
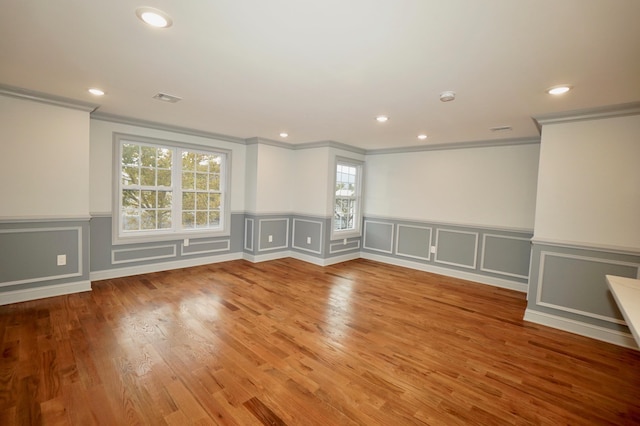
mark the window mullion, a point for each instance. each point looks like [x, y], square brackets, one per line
[176, 187]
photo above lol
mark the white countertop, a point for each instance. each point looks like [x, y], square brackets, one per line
[626, 291]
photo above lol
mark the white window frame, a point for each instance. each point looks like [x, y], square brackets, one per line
[176, 232]
[356, 231]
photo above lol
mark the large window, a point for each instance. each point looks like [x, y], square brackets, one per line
[167, 190]
[347, 198]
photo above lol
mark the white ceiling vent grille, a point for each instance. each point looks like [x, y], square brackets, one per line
[165, 97]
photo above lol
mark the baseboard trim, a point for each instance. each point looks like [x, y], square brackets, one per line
[266, 257]
[581, 328]
[325, 262]
[16, 296]
[162, 266]
[481, 279]
[301, 256]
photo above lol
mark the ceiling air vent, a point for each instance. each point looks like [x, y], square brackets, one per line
[501, 129]
[165, 97]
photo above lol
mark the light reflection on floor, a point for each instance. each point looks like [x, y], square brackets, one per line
[338, 313]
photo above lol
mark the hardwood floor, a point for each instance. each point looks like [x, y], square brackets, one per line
[286, 342]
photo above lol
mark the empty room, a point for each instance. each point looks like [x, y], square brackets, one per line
[415, 212]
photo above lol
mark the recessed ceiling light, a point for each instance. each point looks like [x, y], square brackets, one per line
[447, 96]
[382, 118]
[422, 136]
[154, 17]
[558, 90]
[96, 91]
[284, 134]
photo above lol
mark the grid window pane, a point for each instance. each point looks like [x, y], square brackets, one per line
[204, 184]
[188, 161]
[148, 199]
[188, 180]
[214, 182]
[130, 175]
[202, 219]
[214, 218]
[131, 223]
[148, 219]
[214, 201]
[164, 219]
[148, 157]
[164, 199]
[188, 220]
[147, 176]
[188, 201]
[201, 181]
[164, 178]
[202, 201]
[147, 182]
[165, 157]
[346, 197]
[131, 198]
[130, 155]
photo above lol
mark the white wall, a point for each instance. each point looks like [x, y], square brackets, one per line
[44, 164]
[311, 171]
[102, 164]
[275, 179]
[589, 183]
[489, 186]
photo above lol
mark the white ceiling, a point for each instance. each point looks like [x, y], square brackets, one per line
[322, 70]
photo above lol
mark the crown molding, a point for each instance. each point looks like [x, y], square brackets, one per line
[270, 142]
[455, 145]
[45, 98]
[609, 111]
[112, 118]
[306, 145]
[331, 144]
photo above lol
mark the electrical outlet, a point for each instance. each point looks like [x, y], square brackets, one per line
[62, 259]
[308, 240]
[270, 238]
[433, 249]
[185, 242]
[344, 242]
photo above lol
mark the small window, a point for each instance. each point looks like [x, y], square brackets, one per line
[347, 199]
[169, 191]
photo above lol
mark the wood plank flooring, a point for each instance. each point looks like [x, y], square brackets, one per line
[289, 343]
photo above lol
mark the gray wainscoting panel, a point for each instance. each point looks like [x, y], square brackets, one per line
[236, 240]
[30, 254]
[100, 243]
[577, 284]
[378, 236]
[278, 229]
[139, 254]
[248, 234]
[506, 255]
[569, 282]
[457, 248]
[341, 247]
[204, 247]
[307, 235]
[414, 241]
[105, 256]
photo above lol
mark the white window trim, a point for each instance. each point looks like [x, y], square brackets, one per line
[357, 231]
[170, 235]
